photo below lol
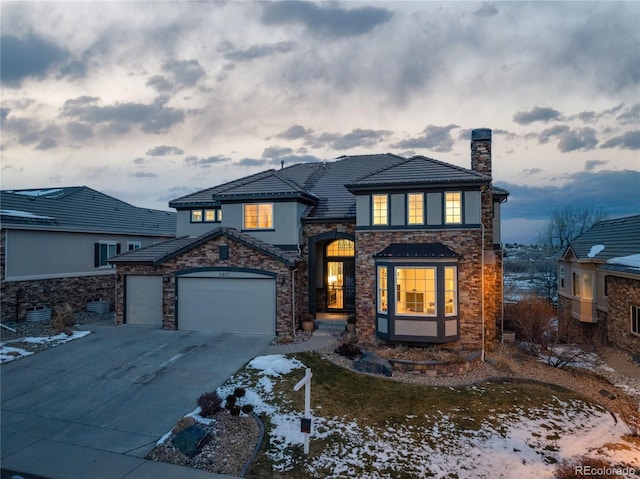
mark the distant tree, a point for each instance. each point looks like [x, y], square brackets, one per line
[567, 223]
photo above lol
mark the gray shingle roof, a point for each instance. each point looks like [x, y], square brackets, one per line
[80, 208]
[417, 250]
[326, 184]
[608, 239]
[161, 252]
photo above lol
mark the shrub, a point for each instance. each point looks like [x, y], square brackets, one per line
[235, 411]
[63, 319]
[349, 350]
[247, 409]
[210, 403]
[239, 392]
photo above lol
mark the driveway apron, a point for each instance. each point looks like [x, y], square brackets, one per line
[96, 406]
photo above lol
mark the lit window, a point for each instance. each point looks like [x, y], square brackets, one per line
[343, 247]
[210, 215]
[450, 291]
[416, 291]
[587, 292]
[219, 214]
[576, 284]
[635, 319]
[416, 208]
[383, 303]
[380, 210]
[453, 207]
[258, 216]
[196, 216]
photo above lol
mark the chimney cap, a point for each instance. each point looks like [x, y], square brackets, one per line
[481, 134]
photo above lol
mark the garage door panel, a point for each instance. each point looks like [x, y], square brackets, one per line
[233, 305]
[143, 300]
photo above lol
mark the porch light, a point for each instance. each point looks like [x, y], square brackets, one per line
[333, 279]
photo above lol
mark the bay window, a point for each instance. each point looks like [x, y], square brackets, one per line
[383, 300]
[416, 291]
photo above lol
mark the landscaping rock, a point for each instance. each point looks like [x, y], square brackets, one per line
[370, 362]
[190, 440]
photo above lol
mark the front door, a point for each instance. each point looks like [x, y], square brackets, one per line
[341, 285]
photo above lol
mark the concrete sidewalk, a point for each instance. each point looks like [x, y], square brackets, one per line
[94, 407]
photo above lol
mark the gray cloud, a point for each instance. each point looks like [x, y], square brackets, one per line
[31, 56]
[252, 162]
[294, 159]
[537, 113]
[163, 150]
[255, 51]
[46, 144]
[436, 138]
[549, 133]
[629, 140]
[531, 171]
[276, 152]
[591, 165]
[585, 188]
[631, 115]
[582, 139]
[325, 19]
[143, 174]
[487, 9]
[194, 161]
[78, 130]
[122, 117]
[294, 132]
[186, 73]
[160, 83]
[356, 138]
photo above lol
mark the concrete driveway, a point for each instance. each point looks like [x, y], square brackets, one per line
[96, 406]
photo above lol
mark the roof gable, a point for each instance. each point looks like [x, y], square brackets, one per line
[82, 209]
[608, 239]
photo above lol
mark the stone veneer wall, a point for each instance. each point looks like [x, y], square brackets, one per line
[207, 255]
[76, 291]
[465, 242]
[622, 294]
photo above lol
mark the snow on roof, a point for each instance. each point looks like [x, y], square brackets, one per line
[595, 249]
[25, 214]
[47, 192]
[633, 260]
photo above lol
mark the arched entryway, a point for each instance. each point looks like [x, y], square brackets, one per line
[340, 276]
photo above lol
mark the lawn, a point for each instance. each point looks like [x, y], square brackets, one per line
[366, 426]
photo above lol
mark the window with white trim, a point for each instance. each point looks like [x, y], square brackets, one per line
[453, 207]
[380, 210]
[133, 245]
[635, 319]
[258, 216]
[415, 208]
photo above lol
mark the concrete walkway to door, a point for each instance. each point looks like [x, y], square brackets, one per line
[96, 406]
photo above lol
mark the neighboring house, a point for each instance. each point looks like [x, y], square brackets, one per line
[402, 243]
[55, 244]
[599, 281]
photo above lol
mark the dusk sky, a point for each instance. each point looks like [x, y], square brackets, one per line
[149, 101]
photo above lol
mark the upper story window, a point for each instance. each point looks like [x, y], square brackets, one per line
[415, 207]
[562, 276]
[380, 210]
[133, 245]
[103, 251]
[212, 215]
[196, 216]
[258, 216]
[453, 207]
[587, 282]
[342, 247]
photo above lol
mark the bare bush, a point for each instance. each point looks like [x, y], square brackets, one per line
[63, 319]
[583, 467]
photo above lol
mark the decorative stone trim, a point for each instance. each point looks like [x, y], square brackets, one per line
[438, 368]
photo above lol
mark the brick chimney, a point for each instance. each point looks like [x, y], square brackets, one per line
[481, 151]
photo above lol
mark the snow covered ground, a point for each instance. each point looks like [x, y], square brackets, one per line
[524, 444]
[9, 353]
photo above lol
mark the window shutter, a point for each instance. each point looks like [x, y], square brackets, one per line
[118, 248]
[96, 255]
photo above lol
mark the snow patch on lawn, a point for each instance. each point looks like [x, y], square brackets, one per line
[9, 353]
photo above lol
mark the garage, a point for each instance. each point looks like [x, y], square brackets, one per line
[143, 300]
[227, 301]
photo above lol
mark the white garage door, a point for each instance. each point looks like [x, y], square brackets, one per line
[227, 304]
[143, 300]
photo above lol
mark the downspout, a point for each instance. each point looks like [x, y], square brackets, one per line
[482, 291]
[502, 292]
[293, 301]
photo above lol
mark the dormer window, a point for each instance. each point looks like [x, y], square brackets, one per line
[258, 216]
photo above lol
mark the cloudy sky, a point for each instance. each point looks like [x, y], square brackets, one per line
[148, 101]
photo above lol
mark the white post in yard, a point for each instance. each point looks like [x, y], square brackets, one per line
[306, 381]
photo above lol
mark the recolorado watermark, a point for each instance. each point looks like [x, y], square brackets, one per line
[605, 471]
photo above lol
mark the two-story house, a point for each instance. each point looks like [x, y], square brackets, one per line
[55, 243]
[599, 281]
[408, 245]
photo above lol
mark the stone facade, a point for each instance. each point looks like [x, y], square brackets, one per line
[622, 294]
[467, 243]
[207, 255]
[17, 296]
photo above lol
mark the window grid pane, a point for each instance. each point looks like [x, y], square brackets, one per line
[209, 215]
[416, 291]
[382, 290]
[251, 216]
[265, 216]
[196, 216]
[380, 213]
[450, 291]
[416, 209]
[343, 247]
[453, 207]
